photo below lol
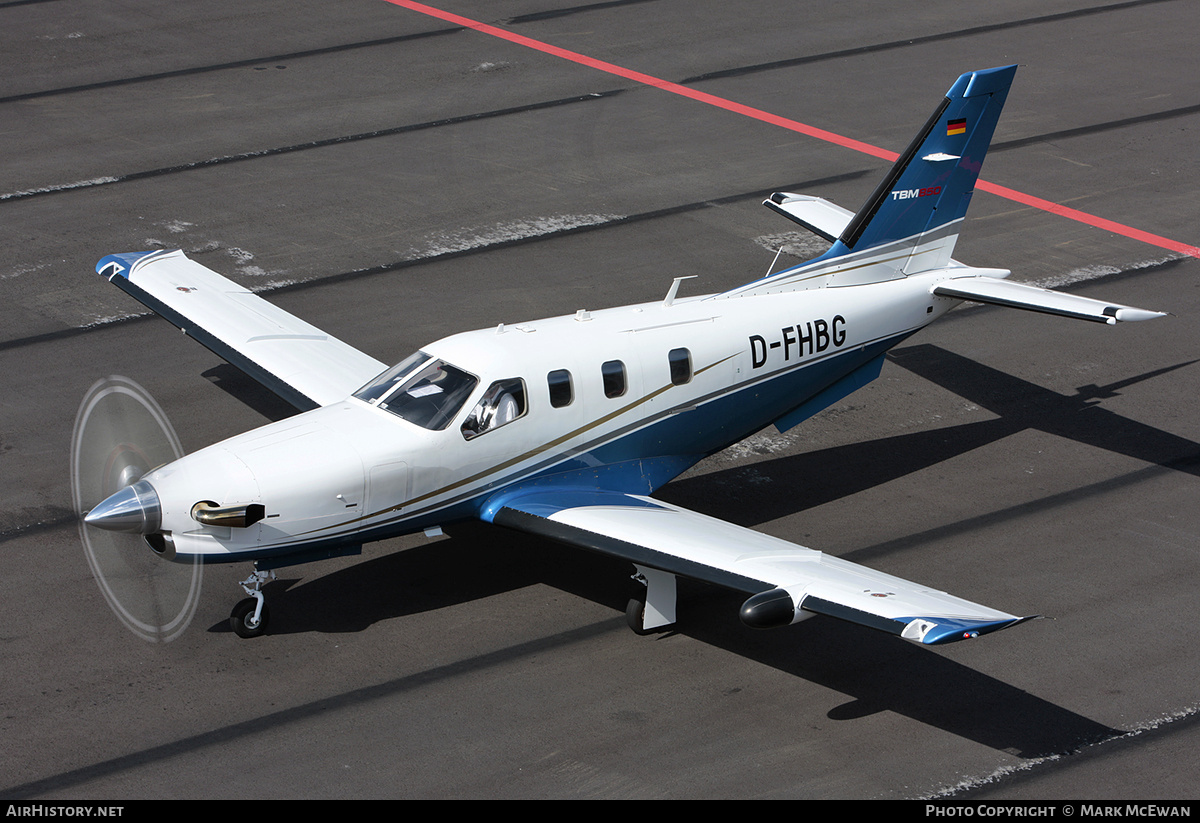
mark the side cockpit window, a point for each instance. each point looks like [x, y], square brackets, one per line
[421, 390]
[502, 403]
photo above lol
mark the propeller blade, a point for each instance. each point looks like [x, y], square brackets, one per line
[120, 434]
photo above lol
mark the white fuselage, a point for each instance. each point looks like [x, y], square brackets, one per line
[352, 471]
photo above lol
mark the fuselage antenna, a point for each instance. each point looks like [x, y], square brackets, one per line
[771, 267]
[675, 289]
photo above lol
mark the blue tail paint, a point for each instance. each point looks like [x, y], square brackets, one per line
[930, 185]
[910, 222]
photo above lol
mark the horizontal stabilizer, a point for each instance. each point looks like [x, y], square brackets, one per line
[299, 362]
[818, 215]
[1023, 296]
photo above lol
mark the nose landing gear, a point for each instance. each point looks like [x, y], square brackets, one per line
[249, 617]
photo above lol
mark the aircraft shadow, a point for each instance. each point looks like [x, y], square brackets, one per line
[239, 385]
[877, 671]
[850, 469]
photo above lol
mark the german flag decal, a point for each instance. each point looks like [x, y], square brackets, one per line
[954, 127]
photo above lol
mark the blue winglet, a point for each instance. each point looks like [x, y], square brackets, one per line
[949, 630]
[121, 264]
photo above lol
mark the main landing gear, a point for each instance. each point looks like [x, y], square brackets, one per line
[656, 610]
[646, 614]
[249, 617]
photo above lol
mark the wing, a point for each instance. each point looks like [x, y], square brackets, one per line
[297, 361]
[785, 579]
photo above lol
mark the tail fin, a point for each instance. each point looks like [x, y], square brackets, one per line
[910, 222]
[930, 186]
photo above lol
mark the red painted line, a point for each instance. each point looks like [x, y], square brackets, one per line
[792, 125]
[646, 79]
[1088, 219]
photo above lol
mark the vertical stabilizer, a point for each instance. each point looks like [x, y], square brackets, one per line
[927, 191]
[910, 222]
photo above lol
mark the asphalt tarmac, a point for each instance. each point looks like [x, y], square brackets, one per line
[393, 177]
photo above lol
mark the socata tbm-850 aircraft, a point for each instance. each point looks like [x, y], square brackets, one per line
[565, 427]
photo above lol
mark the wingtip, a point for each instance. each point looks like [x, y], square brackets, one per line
[939, 631]
[123, 263]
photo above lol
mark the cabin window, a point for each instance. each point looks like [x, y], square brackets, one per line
[502, 403]
[561, 391]
[421, 390]
[681, 366]
[614, 378]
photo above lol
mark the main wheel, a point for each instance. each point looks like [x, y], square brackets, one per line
[242, 621]
[635, 616]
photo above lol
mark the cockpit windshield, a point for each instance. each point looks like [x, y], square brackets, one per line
[420, 389]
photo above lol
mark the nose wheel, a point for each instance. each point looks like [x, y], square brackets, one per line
[249, 617]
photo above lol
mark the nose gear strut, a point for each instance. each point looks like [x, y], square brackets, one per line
[249, 616]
